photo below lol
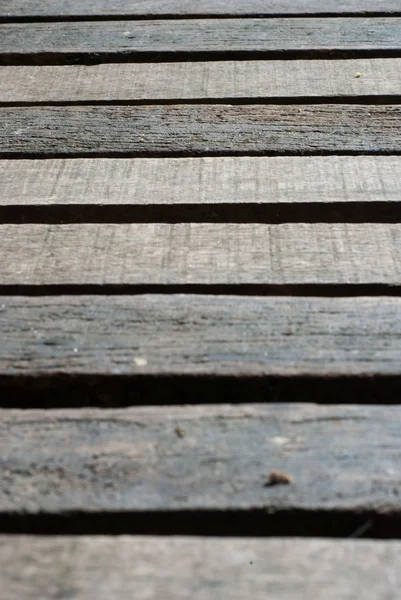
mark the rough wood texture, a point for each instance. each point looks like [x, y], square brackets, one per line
[146, 8]
[198, 130]
[201, 80]
[202, 181]
[203, 457]
[212, 335]
[178, 568]
[175, 38]
[192, 253]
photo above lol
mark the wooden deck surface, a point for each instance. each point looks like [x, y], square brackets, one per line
[200, 311]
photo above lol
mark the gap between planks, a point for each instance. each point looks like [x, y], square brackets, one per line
[149, 467]
[116, 41]
[177, 568]
[202, 80]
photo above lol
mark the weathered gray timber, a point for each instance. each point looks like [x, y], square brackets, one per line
[149, 8]
[200, 335]
[198, 130]
[203, 568]
[201, 458]
[230, 181]
[201, 80]
[200, 253]
[27, 43]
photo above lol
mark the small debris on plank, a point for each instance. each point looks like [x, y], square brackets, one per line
[140, 362]
[278, 478]
[180, 433]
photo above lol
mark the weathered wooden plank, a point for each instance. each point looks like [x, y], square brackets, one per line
[193, 253]
[215, 457]
[148, 8]
[30, 42]
[198, 130]
[201, 80]
[174, 568]
[204, 181]
[200, 335]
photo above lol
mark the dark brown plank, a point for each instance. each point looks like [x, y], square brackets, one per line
[148, 8]
[175, 39]
[199, 335]
[171, 568]
[200, 253]
[201, 458]
[206, 182]
[202, 80]
[198, 130]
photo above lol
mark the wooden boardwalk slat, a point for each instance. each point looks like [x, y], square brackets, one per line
[198, 130]
[30, 42]
[202, 80]
[193, 253]
[200, 335]
[201, 458]
[209, 181]
[148, 8]
[177, 568]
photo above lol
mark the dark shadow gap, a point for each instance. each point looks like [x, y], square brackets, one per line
[374, 99]
[93, 58]
[272, 213]
[111, 391]
[191, 16]
[191, 153]
[230, 523]
[329, 290]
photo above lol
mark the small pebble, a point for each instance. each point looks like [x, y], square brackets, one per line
[278, 478]
[179, 432]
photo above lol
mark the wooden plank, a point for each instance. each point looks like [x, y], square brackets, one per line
[338, 458]
[200, 335]
[192, 253]
[198, 130]
[171, 568]
[201, 80]
[30, 42]
[231, 181]
[148, 8]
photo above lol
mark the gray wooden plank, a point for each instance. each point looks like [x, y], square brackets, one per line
[199, 129]
[200, 335]
[193, 253]
[147, 8]
[133, 460]
[203, 181]
[174, 568]
[201, 80]
[27, 42]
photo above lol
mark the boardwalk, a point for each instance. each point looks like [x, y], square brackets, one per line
[200, 309]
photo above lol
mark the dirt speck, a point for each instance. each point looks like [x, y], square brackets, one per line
[278, 478]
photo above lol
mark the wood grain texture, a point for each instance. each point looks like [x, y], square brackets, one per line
[177, 568]
[199, 335]
[198, 130]
[192, 253]
[94, 461]
[202, 181]
[201, 80]
[148, 8]
[59, 41]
